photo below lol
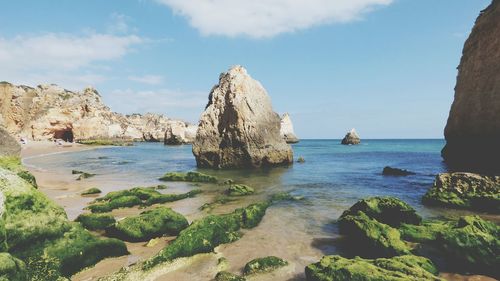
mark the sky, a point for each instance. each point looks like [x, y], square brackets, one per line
[384, 67]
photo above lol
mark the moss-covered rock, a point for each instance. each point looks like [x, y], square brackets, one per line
[13, 163]
[107, 142]
[12, 269]
[219, 200]
[388, 210]
[400, 268]
[473, 244]
[96, 221]
[370, 237]
[265, 264]
[34, 229]
[284, 196]
[228, 276]
[428, 231]
[137, 196]
[82, 175]
[203, 235]
[91, 191]
[149, 224]
[189, 177]
[465, 191]
[29, 177]
[239, 190]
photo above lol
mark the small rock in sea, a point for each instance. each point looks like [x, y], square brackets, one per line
[351, 138]
[301, 160]
[389, 171]
[265, 264]
[90, 191]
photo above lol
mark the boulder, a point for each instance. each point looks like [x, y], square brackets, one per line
[265, 264]
[465, 191]
[351, 138]
[473, 129]
[239, 128]
[401, 268]
[8, 145]
[286, 130]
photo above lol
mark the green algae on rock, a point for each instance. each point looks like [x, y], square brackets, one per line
[149, 224]
[107, 142]
[228, 276]
[387, 210]
[13, 163]
[372, 237]
[203, 235]
[33, 227]
[465, 191]
[11, 268]
[189, 177]
[239, 190]
[90, 191]
[265, 264]
[97, 221]
[400, 268]
[137, 196]
[474, 244]
[427, 231]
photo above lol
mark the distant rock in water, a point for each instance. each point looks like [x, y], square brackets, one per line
[389, 171]
[351, 138]
[49, 112]
[179, 132]
[239, 128]
[286, 130]
[8, 145]
[473, 129]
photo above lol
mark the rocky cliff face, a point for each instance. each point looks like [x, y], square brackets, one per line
[239, 127]
[286, 130]
[179, 132]
[473, 129]
[51, 112]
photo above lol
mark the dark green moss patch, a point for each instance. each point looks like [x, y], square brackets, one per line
[29, 177]
[149, 224]
[265, 264]
[428, 231]
[388, 210]
[11, 268]
[400, 268]
[371, 237]
[189, 177]
[90, 191]
[239, 190]
[203, 235]
[138, 196]
[96, 221]
[228, 276]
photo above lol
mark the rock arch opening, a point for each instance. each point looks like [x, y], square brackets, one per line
[65, 135]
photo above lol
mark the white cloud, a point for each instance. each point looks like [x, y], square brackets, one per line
[267, 18]
[148, 79]
[119, 24]
[66, 59]
[173, 103]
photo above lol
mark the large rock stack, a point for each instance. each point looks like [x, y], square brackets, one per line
[473, 129]
[287, 131]
[239, 128]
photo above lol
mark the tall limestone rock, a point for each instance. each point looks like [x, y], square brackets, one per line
[239, 128]
[351, 138]
[286, 130]
[473, 129]
[8, 145]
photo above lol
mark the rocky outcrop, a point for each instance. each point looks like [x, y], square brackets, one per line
[8, 145]
[465, 191]
[286, 130]
[239, 127]
[178, 132]
[50, 112]
[473, 129]
[351, 138]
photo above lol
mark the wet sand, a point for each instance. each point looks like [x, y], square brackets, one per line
[281, 233]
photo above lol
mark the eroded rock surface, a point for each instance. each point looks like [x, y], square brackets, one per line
[473, 129]
[178, 132]
[51, 112]
[239, 127]
[8, 145]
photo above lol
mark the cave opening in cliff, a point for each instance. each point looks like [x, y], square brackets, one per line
[65, 135]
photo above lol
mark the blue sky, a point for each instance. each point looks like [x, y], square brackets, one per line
[385, 67]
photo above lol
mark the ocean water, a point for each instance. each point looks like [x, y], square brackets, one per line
[332, 178]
